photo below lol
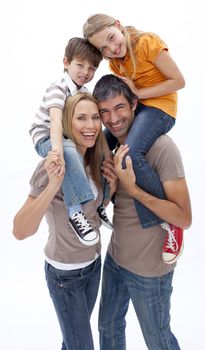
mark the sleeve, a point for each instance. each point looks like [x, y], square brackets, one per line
[55, 96]
[168, 160]
[38, 181]
[150, 45]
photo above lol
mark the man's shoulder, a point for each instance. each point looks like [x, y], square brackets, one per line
[164, 148]
[164, 141]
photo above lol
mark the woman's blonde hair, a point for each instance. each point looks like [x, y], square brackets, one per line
[94, 155]
[96, 23]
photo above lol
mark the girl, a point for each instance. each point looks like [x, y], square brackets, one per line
[142, 60]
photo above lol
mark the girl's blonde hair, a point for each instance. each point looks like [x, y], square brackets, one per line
[94, 155]
[96, 23]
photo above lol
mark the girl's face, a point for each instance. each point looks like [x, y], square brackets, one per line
[110, 41]
[86, 125]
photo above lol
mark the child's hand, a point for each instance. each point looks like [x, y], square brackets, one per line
[131, 85]
[57, 157]
[53, 169]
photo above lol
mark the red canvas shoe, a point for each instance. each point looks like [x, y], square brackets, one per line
[173, 245]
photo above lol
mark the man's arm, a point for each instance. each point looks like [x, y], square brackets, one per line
[28, 218]
[175, 209]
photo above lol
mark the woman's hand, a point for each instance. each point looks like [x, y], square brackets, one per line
[108, 172]
[126, 176]
[54, 169]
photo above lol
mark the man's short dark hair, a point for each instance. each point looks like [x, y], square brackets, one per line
[110, 86]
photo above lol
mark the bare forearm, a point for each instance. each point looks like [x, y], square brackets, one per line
[167, 210]
[28, 219]
[166, 87]
[56, 129]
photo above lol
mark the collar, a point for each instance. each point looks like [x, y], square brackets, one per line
[72, 86]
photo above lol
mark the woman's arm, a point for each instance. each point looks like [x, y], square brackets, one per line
[28, 218]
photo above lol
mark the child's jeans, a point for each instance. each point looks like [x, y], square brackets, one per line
[149, 124]
[76, 186]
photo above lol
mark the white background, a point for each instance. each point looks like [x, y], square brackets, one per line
[33, 37]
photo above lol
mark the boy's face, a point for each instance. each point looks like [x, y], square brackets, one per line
[81, 72]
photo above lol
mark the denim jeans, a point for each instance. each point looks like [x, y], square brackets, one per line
[76, 186]
[149, 124]
[151, 300]
[74, 295]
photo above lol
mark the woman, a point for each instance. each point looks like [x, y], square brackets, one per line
[72, 269]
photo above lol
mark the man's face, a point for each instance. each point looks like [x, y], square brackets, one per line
[117, 116]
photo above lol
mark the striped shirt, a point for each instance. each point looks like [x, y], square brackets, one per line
[55, 96]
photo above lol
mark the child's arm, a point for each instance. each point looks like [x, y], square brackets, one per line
[56, 132]
[167, 66]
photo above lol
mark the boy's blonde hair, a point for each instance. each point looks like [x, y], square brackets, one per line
[94, 155]
[99, 21]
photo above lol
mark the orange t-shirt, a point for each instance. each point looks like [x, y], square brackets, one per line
[147, 74]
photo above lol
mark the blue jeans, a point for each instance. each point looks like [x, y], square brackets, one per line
[76, 186]
[149, 124]
[74, 295]
[151, 300]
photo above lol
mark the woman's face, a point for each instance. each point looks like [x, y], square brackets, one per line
[110, 41]
[86, 125]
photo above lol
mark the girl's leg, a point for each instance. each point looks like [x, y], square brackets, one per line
[149, 124]
[111, 140]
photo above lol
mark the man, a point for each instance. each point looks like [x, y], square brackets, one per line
[133, 268]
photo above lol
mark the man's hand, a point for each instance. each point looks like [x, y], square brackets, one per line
[126, 176]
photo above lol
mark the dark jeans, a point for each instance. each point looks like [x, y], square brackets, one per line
[151, 300]
[74, 295]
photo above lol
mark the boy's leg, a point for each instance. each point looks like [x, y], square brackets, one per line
[102, 208]
[148, 125]
[43, 147]
[68, 293]
[151, 300]
[76, 186]
[113, 308]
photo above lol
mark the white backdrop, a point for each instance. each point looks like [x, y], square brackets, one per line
[33, 37]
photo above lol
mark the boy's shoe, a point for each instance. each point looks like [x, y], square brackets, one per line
[173, 245]
[83, 229]
[103, 216]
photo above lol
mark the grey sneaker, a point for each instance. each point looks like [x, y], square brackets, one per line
[103, 216]
[83, 229]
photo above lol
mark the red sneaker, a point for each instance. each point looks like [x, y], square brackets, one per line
[173, 245]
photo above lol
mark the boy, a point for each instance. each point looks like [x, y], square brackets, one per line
[80, 61]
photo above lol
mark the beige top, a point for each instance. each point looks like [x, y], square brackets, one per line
[62, 244]
[132, 247]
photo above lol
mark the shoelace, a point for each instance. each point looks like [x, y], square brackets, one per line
[171, 241]
[82, 223]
